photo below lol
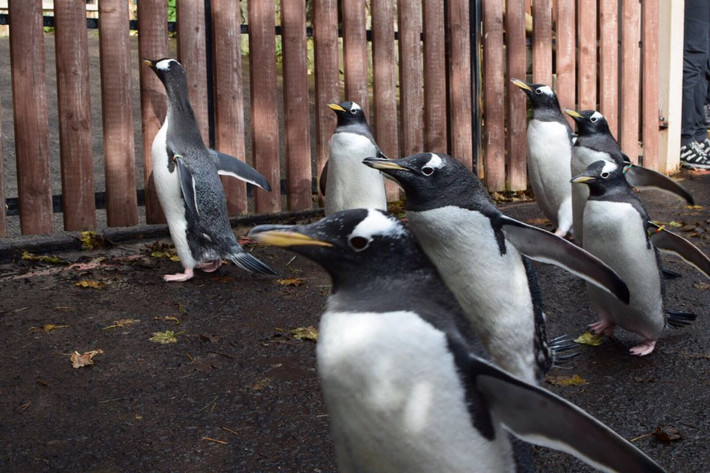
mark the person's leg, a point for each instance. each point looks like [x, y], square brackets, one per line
[695, 58]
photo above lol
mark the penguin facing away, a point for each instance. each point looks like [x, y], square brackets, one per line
[595, 142]
[549, 138]
[479, 253]
[617, 229]
[345, 183]
[404, 378]
[186, 175]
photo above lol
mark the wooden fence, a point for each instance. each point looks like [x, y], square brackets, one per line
[420, 87]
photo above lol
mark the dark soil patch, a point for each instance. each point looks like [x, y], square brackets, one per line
[238, 392]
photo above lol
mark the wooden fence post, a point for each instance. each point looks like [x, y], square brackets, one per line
[542, 42]
[566, 56]
[325, 46]
[30, 116]
[649, 88]
[264, 102]
[517, 100]
[355, 53]
[460, 100]
[192, 53]
[609, 63]
[296, 106]
[228, 96]
[117, 106]
[587, 46]
[409, 13]
[152, 44]
[494, 96]
[435, 107]
[385, 85]
[72, 55]
[630, 74]
[670, 82]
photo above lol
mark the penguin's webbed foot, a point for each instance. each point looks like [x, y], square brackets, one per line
[603, 327]
[210, 267]
[643, 349]
[180, 277]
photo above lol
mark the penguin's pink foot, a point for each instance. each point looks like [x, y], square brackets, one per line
[211, 266]
[643, 349]
[603, 327]
[179, 277]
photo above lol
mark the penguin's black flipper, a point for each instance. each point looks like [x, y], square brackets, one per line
[250, 263]
[323, 179]
[677, 319]
[543, 418]
[672, 243]
[230, 166]
[639, 176]
[187, 184]
[545, 247]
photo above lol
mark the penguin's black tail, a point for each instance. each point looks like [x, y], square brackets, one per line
[677, 319]
[559, 345]
[250, 263]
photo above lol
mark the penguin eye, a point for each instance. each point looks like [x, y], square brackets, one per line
[427, 171]
[353, 111]
[593, 119]
[538, 91]
[604, 175]
[358, 243]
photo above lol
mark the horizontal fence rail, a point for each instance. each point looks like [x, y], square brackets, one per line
[431, 75]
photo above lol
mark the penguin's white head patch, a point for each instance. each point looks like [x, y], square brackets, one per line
[595, 117]
[608, 168]
[434, 163]
[544, 89]
[375, 224]
[354, 108]
[165, 64]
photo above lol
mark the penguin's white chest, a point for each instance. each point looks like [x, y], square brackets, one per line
[167, 185]
[614, 232]
[351, 184]
[395, 400]
[491, 287]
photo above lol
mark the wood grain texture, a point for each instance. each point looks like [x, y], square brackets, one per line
[516, 64]
[355, 53]
[630, 77]
[435, 106]
[650, 99]
[494, 65]
[587, 47]
[411, 64]
[609, 63]
[460, 93]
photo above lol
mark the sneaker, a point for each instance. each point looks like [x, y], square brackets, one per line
[693, 157]
[706, 109]
[705, 146]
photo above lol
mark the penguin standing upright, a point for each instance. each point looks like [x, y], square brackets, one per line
[186, 175]
[478, 250]
[345, 182]
[403, 376]
[595, 142]
[617, 229]
[549, 149]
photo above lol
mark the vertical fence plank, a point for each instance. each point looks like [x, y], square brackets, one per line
[152, 44]
[517, 101]
[117, 107]
[609, 63]
[296, 105]
[410, 76]
[542, 42]
[650, 83]
[192, 53]
[493, 65]
[435, 109]
[74, 102]
[355, 53]
[264, 102]
[566, 56]
[30, 116]
[587, 45]
[460, 95]
[385, 85]
[325, 46]
[630, 74]
[3, 217]
[228, 95]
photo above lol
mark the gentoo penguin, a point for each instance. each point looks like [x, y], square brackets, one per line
[345, 183]
[595, 142]
[187, 180]
[478, 250]
[617, 229]
[549, 150]
[404, 379]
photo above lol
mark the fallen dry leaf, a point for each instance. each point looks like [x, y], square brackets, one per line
[667, 434]
[575, 380]
[93, 241]
[291, 282]
[27, 256]
[91, 284]
[164, 337]
[122, 323]
[47, 328]
[694, 207]
[589, 338]
[78, 360]
[305, 333]
[261, 384]
[702, 286]
[168, 318]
